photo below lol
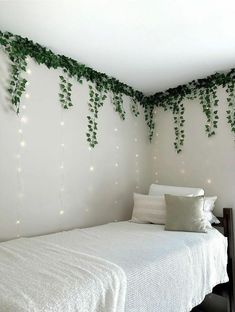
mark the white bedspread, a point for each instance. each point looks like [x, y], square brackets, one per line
[83, 270]
[38, 276]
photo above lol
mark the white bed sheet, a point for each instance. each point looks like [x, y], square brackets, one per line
[165, 271]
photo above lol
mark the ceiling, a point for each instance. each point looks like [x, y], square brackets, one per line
[149, 44]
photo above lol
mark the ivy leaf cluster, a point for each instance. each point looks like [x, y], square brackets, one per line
[65, 93]
[135, 108]
[178, 116]
[231, 105]
[209, 102]
[96, 101]
[17, 83]
[148, 116]
[118, 105]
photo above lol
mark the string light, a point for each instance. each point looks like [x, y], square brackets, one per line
[116, 182]
[24, 119]
[116, 164]
[117, 147]
[22, 143]
[92, 168]
[137, 177]
[62, 172]
[209, 181]
[116, 129]
[29, 71]
[20, 185]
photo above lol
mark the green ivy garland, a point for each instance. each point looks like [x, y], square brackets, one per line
[18, 49]
[206, 91]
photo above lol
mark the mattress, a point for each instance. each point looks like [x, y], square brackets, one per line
[154, 270]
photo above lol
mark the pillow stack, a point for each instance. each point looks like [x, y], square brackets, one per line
[180, 209]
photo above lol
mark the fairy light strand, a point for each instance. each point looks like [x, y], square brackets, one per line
[116, 164]
[136, 156]
[62, 165]
[155, 154]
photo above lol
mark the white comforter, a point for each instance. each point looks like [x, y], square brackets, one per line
[86, 270]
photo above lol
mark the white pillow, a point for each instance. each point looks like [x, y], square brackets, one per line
[152, 209]
[149, 209]
[157, 189]
[209, 205]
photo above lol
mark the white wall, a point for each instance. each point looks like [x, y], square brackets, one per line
[33, 196]
[205, 162]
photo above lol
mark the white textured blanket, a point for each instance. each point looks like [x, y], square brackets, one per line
[165, 271]
[39, 276]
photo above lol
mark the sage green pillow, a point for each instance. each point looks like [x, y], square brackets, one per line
[185, 213]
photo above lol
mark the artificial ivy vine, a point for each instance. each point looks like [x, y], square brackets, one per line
[19, 49]
[96, 101]
[65, 93]
[205, 90]
[231, 104]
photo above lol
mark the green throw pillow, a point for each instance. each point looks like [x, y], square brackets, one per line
[185, 213]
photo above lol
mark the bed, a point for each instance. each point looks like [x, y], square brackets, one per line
[120, 266]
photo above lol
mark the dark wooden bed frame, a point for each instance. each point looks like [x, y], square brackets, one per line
[227, 290]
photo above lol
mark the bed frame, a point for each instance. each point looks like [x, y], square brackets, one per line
[227, 290]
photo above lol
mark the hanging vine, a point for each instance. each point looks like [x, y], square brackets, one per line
[134, 108]
[209, 102]
[96, 101]
[231, 105]
[65, 93]
[17, 83]
[178, 116]
[148, 116]
[118, 105]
